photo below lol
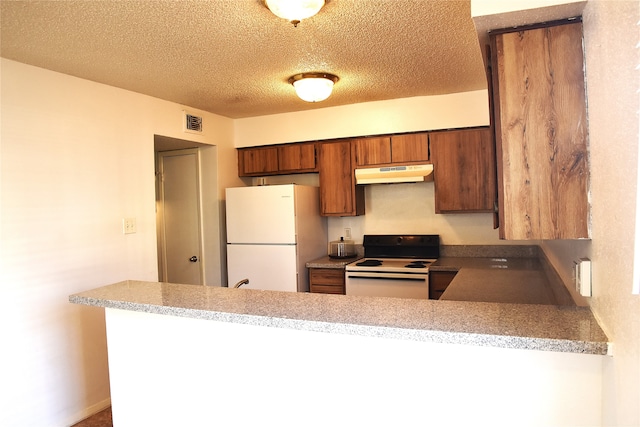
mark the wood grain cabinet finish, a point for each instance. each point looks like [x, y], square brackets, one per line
[411, 147]
[257, 161]
[394, 149]
[464, 170]
[277, 160]
[339, 195]
[297, 158]
[373, 151]
[541, 132]
[438, 282]
[327, 280]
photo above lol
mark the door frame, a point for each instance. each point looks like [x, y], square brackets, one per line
[160, 224]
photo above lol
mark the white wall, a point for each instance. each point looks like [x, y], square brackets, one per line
[76, 157]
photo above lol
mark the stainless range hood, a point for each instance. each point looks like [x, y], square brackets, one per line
[395, 174]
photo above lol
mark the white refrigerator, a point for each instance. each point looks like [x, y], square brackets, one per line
[272, 232]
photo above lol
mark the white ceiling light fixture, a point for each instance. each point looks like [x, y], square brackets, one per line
[313, 87]
[294, 11]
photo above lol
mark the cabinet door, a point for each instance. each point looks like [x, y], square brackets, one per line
[541, 133]
[464, 170]
[326, 280]
[410, 148]
[339, 196]
[373, 151]
[439, 281]
[256, 161]
[296, 158]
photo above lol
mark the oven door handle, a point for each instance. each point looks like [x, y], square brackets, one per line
[387, 276]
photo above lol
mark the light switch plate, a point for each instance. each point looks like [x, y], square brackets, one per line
[128, 225]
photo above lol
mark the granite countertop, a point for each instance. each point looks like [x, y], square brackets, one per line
[328, 262]
[501, 280]
[521, 326]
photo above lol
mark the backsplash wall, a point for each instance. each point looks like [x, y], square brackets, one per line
[410, 209]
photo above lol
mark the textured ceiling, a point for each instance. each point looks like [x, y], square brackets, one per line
[233, 57]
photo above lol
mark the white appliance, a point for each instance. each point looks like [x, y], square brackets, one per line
[394, 174]
[394, 266]
[272, 232]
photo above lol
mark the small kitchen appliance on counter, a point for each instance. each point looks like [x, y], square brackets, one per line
[393, 266]
[341, 249]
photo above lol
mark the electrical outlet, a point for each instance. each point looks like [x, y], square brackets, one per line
[347, 234]
[583, 276]
[128, 225]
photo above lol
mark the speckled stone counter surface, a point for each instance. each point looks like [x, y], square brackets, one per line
[502, 280]
[328, 262]
[521, 326]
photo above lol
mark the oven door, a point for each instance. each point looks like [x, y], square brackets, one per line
[382, 284]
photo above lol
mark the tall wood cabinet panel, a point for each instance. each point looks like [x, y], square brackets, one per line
[463, 170]
[541, 132]
[411, 147]
[339, 195]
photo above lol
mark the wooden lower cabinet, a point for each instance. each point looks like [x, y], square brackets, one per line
[438, 282]
[326, 280]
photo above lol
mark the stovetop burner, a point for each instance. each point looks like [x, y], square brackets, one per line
[369, 263]
[417, 264]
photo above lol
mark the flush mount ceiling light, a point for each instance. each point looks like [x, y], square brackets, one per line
[294, 10]
[313, 87]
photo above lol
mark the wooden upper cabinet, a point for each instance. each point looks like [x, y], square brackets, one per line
[464, 170]
[257, 161]
[412, 147]
[373, 151]
[395, 149]
[273, 160]
[296, 157]
[541, 132]
[339, 195]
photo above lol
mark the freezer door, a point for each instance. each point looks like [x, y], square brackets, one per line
[261, 214]
[268, 267]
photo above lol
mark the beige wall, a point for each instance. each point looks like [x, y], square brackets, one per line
[76, 157]
[611, 35]
[371, 118]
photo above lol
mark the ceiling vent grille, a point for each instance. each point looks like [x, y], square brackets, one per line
[192, 123]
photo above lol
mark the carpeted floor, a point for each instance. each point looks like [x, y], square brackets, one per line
[101, 419]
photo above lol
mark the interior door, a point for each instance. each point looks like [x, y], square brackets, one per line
[179, 217]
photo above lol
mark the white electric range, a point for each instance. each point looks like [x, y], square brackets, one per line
[394, 266]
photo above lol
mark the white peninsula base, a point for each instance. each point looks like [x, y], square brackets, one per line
[175, 371]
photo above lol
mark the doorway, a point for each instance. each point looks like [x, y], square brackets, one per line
[180, 231]
[187, 212]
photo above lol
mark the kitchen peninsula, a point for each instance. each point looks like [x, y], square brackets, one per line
[247, 357]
